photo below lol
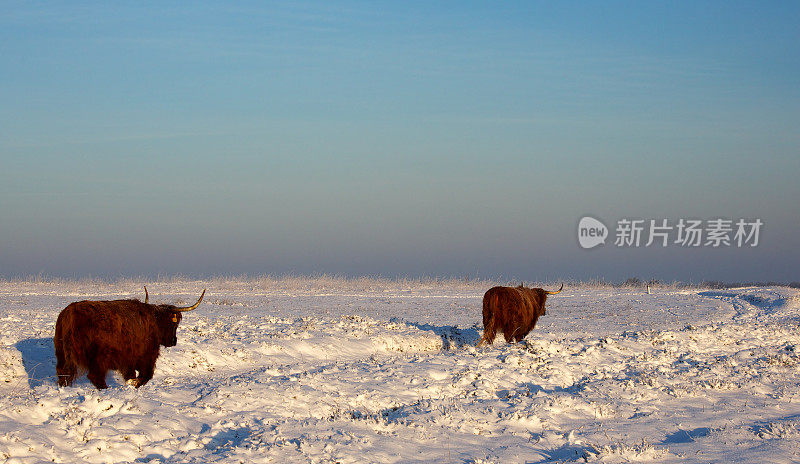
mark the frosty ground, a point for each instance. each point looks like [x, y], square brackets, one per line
[371, 370]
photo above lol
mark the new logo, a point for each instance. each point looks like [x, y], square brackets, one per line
[591, 232]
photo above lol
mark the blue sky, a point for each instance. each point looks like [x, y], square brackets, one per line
[396, 138]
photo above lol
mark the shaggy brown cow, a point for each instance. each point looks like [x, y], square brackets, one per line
[513, 311]
[121, 335]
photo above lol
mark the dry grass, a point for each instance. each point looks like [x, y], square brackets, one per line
[290, 283]
[302, 284]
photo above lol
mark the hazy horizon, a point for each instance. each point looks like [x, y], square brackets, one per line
[411, 139]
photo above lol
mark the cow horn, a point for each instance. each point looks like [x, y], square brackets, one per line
[146, 296]
[189, 308]
[553, 293]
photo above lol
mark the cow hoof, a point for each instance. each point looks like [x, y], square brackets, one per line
[136, 383]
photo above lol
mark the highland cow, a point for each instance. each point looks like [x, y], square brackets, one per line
[121, 335]
[513, 311]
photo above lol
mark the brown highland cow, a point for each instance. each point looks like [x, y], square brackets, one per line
[121, 335]
[513, 311]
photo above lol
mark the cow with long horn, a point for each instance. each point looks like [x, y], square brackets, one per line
[121, 335]
[513, 311]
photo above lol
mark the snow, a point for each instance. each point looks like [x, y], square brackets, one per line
[370, 370]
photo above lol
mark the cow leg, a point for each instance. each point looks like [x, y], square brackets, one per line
[145, 374]
[128, 373]
[489, 332]
[97, 371]
[65, 369]
[97, 376]
[66, 372]
[487, 338]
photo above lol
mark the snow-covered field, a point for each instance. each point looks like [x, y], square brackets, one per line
[335, 370]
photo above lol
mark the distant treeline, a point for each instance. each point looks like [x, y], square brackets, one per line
[636, 282]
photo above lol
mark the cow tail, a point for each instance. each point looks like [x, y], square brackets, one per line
[488, 320]
[65, 359]
[58, 344]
